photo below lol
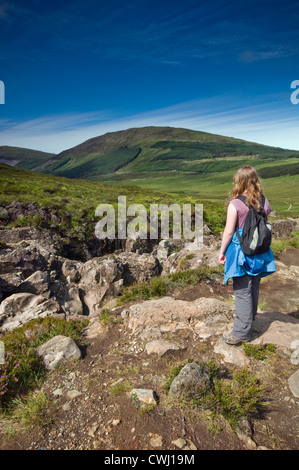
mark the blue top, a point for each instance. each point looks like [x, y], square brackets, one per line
[238, 264]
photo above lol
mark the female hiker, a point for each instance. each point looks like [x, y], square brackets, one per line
[246, 270]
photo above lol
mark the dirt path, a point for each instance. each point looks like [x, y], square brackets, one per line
[103, 417]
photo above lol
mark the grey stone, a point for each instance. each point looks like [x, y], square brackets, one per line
[23, 307]
[57, 350]
[190, 375]
[161, 347]
[232, 355]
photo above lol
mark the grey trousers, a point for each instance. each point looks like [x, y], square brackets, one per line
[246, 290]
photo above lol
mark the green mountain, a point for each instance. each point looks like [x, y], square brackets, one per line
[154, 151]
[173, 160]
[24, 158]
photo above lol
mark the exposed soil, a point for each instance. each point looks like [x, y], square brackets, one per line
[99, 419]
[104, 418]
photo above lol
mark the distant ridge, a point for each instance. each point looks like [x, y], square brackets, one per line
[150, 151]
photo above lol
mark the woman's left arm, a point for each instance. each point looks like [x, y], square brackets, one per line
[229, 230]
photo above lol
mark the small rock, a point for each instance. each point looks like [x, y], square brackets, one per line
[191, 446]
[232, 354]
[144, 395]
[71, 394]
[116, 422]
[58, 392]
[294, 384]
[295, 357]
[67, 406]
[93, 429]
[160, 347]
[180, 443]
[58, 350]
[156, 440]
[190, 375]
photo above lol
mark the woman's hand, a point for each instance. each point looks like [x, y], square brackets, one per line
[221, 258]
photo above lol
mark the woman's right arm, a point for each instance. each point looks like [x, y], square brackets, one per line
[229, 230]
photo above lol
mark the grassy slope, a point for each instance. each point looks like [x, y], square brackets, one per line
[75, 200]
[180, 161]
[152, 150]
[23, 158]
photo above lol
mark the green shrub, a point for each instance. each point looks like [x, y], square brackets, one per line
[231, 398]
[259, 352]
[23, 371]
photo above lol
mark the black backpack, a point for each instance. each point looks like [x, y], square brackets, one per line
[257, 232]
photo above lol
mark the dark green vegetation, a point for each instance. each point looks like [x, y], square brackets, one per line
[24, 158]
[194, 163]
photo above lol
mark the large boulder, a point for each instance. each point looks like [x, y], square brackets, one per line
[152, 318]
[283, 228]
[81, 287]
[57, 350]
[23, 307]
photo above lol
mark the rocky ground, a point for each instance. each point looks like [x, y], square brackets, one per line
[97, 401]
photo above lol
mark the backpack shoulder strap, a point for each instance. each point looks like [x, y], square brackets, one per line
[263, 199]
[242, 198]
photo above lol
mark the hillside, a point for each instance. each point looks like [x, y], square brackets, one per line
[97, 332]
[175, 160]
[24, 158]
[152, 151]
[156, 150]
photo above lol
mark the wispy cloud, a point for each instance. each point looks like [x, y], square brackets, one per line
[272, 121]
[137, 30]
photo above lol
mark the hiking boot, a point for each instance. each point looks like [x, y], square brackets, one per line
[231, 339]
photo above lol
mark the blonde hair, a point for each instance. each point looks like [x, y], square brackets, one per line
[246, 180]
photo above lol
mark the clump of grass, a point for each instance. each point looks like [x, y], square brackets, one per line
[232, 399]
[107, 318]
[23, 371]
[259, 352]
[159, 286]
[120, 387]
[32, 410]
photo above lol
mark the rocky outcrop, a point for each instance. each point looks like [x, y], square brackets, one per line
[18, 263]
[153, 318]
[284, 228]
[92, 282]
[21, 308]
[29, 264]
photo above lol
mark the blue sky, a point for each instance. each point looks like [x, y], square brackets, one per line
[74, 70]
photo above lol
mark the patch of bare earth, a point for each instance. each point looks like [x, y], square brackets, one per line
[102, 416]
